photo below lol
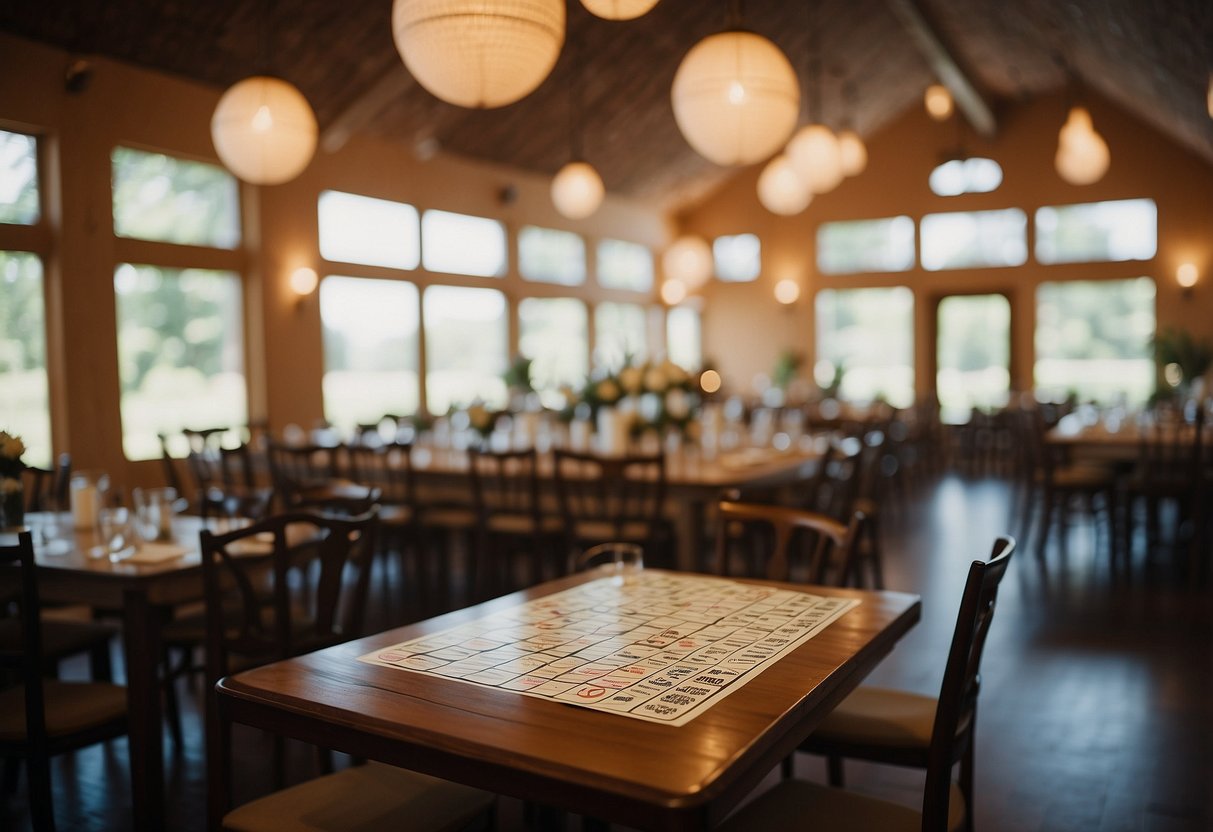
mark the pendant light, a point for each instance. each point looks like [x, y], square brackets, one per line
[780, 188]
[577, 189]
[688, 260]
[263, 129]
[1082, 154]
[619, 9]
[479, 53]
[938, 102]
[735, 96]
[814, 149]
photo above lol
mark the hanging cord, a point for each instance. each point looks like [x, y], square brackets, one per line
[265, 27]
[732, 15]
[575, 103]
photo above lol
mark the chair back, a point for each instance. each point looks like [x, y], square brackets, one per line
[46, 489]
[282, 586]
[956, 713]
[297, 468]
[21, 588]
[610, 498]
[1171, 448]
[387, 467]
[505, 483]
[764, 534]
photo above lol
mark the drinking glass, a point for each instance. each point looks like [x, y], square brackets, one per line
[154, 512]
[115, 532]
[89, 490]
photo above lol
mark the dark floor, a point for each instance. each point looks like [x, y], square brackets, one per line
[1096, 710]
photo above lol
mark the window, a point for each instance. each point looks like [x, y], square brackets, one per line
[19, 202]
[868, 336]
[974, 175]
[466, 346]
[180, 353]
[546, 255]
[1126, 229]
[459, 244]
[974, 239]
[738, 258]
[157, 197]
[372, 232]
[620, 334]
[682, 338]
[24, 398]
[554, 333]
[884, 245]
[1093, 339]
[370, 349]
[973, 354]
[623, 265]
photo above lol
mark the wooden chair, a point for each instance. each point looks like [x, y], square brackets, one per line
[607, 499]
[295, 469]
[225, 483]
[41, 718]
[1169, 470]
[46, 489]
[899, 728]
[509, 519]
[765, 535]
[249, 624]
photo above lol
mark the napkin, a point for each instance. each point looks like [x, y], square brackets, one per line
[156, 553]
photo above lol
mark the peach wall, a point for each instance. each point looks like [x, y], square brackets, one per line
[745, 329]
[140, 108]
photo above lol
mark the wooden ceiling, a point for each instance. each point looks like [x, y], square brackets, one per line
[1152, 58]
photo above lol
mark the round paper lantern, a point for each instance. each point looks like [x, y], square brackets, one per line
[688, 260]
[1082, 154]
[735, 98]
[577, 190]
[852, 153]
[780, 189]
[815, 156]
[619, 9]
[479, 53]
[264, 130]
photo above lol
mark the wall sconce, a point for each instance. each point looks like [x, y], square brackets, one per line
[709, 381]
[673, 292]
[787, 291]
[304, 281]
[1186, 276]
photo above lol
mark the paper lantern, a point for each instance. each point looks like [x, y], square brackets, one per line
[938, 101]
[735, 98]
[688, 260]
[780, 189]
[852, 153]
[264, 130]
[1082, 155]
[479, 53]
[577, 190]
[619, 9]
[673, 292]
[815, 156]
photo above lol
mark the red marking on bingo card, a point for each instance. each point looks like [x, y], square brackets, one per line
[592, 693]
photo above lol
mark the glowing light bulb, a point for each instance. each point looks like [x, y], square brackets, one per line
[263, 120]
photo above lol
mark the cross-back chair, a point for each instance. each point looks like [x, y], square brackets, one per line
[898, 728]
[41, 718]
[297, 470]
[46, 489]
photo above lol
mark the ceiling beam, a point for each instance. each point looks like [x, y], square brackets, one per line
[964, 90]
[360, 112]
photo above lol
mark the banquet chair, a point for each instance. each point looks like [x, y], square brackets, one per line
[46, 489]
[761, 538]
[246, 627]
[296, 469]
[904, 729]
[1168, 471]
[605, 499]
[509, 519]
[41, 718]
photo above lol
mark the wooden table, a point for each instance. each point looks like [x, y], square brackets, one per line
[1121, 443]
[602, 765]
[69, 571]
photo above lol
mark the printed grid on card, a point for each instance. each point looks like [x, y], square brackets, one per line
[658, 646]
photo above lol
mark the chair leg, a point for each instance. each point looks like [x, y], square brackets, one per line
[12, 774]
[966, 784]
[787, 768]
[100, 665]
[834, 771]
[41, 805]
[172, 706]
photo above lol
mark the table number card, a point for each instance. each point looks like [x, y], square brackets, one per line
[657, 646]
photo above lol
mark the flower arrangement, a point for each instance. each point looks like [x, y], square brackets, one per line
[481, 419]
[656, 395]
[11, 449]
[12, 494]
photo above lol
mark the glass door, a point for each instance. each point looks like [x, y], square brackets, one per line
[972, 354]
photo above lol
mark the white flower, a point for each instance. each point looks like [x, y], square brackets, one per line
[631, 379]
[677, 405]
[655, 380]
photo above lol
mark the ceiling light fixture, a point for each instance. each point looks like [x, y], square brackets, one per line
[852, 153]
[938, 101]
[688, 260]
[479, 54]
[1082, 154]
[735, 96]
[577, 189]
[780, 188]
[814, 149]
[619, 9]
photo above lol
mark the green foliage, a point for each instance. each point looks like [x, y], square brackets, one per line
[158, 197]
[1178, 346]
[518, 376]
[786, 367]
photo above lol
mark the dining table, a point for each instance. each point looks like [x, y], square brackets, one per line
[141, 583]
[499, 736]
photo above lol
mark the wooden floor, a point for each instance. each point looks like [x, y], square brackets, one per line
[1096, 710]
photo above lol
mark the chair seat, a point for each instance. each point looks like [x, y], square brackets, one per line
[70, 707]
[363, 798]
[448, 517]
[798, 804]
[59, 637]
[1083, 476]
[522, 524]
[604, 530]
[879, 716]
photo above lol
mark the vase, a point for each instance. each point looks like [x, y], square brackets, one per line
[12, 503]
